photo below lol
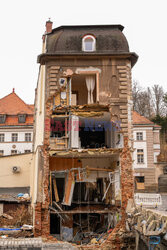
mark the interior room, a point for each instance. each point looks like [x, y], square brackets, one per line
[83, 89]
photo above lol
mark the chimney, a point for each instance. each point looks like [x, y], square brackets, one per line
[48, 26]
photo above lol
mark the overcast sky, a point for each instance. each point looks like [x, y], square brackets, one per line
[22, 23]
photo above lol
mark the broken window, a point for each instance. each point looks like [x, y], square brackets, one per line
[140, 156]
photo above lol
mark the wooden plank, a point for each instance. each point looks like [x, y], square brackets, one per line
[55, 190]
[86, 212]
[69, 189]
[50, 188]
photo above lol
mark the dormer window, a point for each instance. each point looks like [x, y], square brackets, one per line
[88, 43]
[2, 118]
[21, 118]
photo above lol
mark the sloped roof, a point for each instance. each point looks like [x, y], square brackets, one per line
[67, 40]
[12, 104]
[141, 120]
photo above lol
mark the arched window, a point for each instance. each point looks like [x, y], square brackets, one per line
[88, 43]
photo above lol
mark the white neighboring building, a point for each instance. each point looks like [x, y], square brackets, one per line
[146, 136]
[16, 125]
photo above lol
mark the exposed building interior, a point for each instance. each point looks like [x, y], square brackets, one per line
[84, 195]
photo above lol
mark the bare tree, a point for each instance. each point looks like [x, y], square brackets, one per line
[158, 97]
[136, 89]
[142, 100]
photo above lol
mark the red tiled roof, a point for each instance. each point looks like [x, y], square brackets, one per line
[141, 120]
[12, 120]
[12, 104]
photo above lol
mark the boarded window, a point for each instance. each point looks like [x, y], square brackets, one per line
[139, 181]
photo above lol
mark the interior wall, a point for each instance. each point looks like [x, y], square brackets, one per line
[63, 163]
[100, 162]
[79, 86]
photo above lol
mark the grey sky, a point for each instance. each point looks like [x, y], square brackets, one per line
[22, 23]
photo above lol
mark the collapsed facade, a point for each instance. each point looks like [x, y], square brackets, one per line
[83, 174]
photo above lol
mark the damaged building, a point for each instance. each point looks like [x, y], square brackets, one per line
[83, 174]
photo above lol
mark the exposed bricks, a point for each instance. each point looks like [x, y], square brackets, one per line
[37, 220]
[127, 188]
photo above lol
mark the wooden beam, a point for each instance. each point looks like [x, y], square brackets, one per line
[85, 212]
[55, 190]
[50, 188]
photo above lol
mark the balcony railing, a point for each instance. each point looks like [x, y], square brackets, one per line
[148, 199]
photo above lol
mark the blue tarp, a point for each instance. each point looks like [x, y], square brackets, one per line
[9, 229]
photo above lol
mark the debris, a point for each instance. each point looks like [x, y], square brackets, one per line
[94, 241]
[7, 216]
[27, 227]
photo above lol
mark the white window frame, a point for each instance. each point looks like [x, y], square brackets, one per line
[2, 137]
[14, 137]
[93, 43]
[27, 137]
[140, 156]
[139, 136]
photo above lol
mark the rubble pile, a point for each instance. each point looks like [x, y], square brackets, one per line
[16, 218]
[147, 222]
[16, 223]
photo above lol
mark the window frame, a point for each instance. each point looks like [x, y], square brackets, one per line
[28, 151]
[28, 137]
[13, 152]
[93, 43]
[3, 136]
[140, 182]
[3, 117]
[1, 153]
[13, 136]
[22, 116]
[139, 136]
[140, 156]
